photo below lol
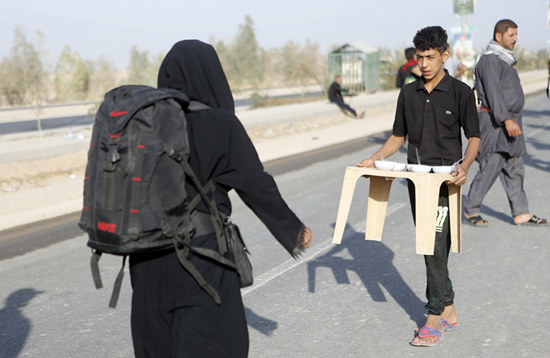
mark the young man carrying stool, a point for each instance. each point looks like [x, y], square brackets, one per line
[431, 112]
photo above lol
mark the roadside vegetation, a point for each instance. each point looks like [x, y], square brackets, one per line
[28, 80]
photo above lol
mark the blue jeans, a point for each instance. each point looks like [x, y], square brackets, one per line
[344, 107]
[439, 289]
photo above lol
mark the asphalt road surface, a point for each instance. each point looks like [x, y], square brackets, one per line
[73, 121]
[46, 124]
[357, 299]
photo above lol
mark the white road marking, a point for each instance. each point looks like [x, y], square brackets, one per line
[311, 254]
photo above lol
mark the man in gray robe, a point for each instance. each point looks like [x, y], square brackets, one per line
[502, 140]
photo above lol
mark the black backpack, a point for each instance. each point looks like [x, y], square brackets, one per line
[134, 189]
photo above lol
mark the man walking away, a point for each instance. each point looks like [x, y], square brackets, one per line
[500, 120]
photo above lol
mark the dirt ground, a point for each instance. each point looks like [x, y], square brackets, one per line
[41, 189]
[37, 172]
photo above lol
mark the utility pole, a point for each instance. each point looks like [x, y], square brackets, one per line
[463, 47]
[463, 8]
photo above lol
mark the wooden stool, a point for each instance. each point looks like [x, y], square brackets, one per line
[427, 193]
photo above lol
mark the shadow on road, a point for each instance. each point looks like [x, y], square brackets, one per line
[259, 323]
[535, 114]
[372, 262]
[488, 211]
[14, 327]
[533, 162]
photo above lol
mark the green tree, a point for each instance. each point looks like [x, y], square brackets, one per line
[313, 65]
[271, 60]
[72, 76]
[102, 79]
[541, 59]
[138, 70]
[303, 65]
[390, 61]
[290, 67]
[23, 72]
[153, 71]
[244, 57]
[527, 60]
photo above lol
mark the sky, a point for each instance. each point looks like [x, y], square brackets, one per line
[109, 28]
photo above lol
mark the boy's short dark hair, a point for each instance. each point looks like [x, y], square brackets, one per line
[409, 53]
[502, 27]
[431, 37]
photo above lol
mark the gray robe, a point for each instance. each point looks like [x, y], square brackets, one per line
[498, 86]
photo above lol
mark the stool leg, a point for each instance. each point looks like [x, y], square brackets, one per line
[379, 192]
[455, 216]
[427, 197]
[348, 188]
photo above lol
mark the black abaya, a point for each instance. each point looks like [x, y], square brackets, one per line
[171, 315]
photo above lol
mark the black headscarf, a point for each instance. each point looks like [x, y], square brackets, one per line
[193, 67]
[220, 147]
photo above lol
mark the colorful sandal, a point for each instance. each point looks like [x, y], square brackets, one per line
[426, 332]
[446, 326]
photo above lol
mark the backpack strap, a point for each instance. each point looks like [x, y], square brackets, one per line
[216, 217]
[85, 217]
[182, 240]
[94, 265]
[182, 244]
[117, 285]
[110, 169]
[134, 220]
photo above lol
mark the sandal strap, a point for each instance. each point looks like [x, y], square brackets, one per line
[426, 332]
[445, 325]
[537, 220]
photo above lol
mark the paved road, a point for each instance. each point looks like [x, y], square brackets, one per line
[357, 299]
[81, 120]
[46, 124]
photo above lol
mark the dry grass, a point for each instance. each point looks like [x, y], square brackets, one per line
[36, 172]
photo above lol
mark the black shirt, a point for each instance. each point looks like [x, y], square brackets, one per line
[433, 120]
[335, 92]
[404, 73]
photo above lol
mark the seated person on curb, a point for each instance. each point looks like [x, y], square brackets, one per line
[335, 96]
[431, 112]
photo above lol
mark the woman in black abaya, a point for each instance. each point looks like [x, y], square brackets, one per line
[172, 316]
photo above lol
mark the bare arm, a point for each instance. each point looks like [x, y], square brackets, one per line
[391, 146]
[469, 157]
[461, 69]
